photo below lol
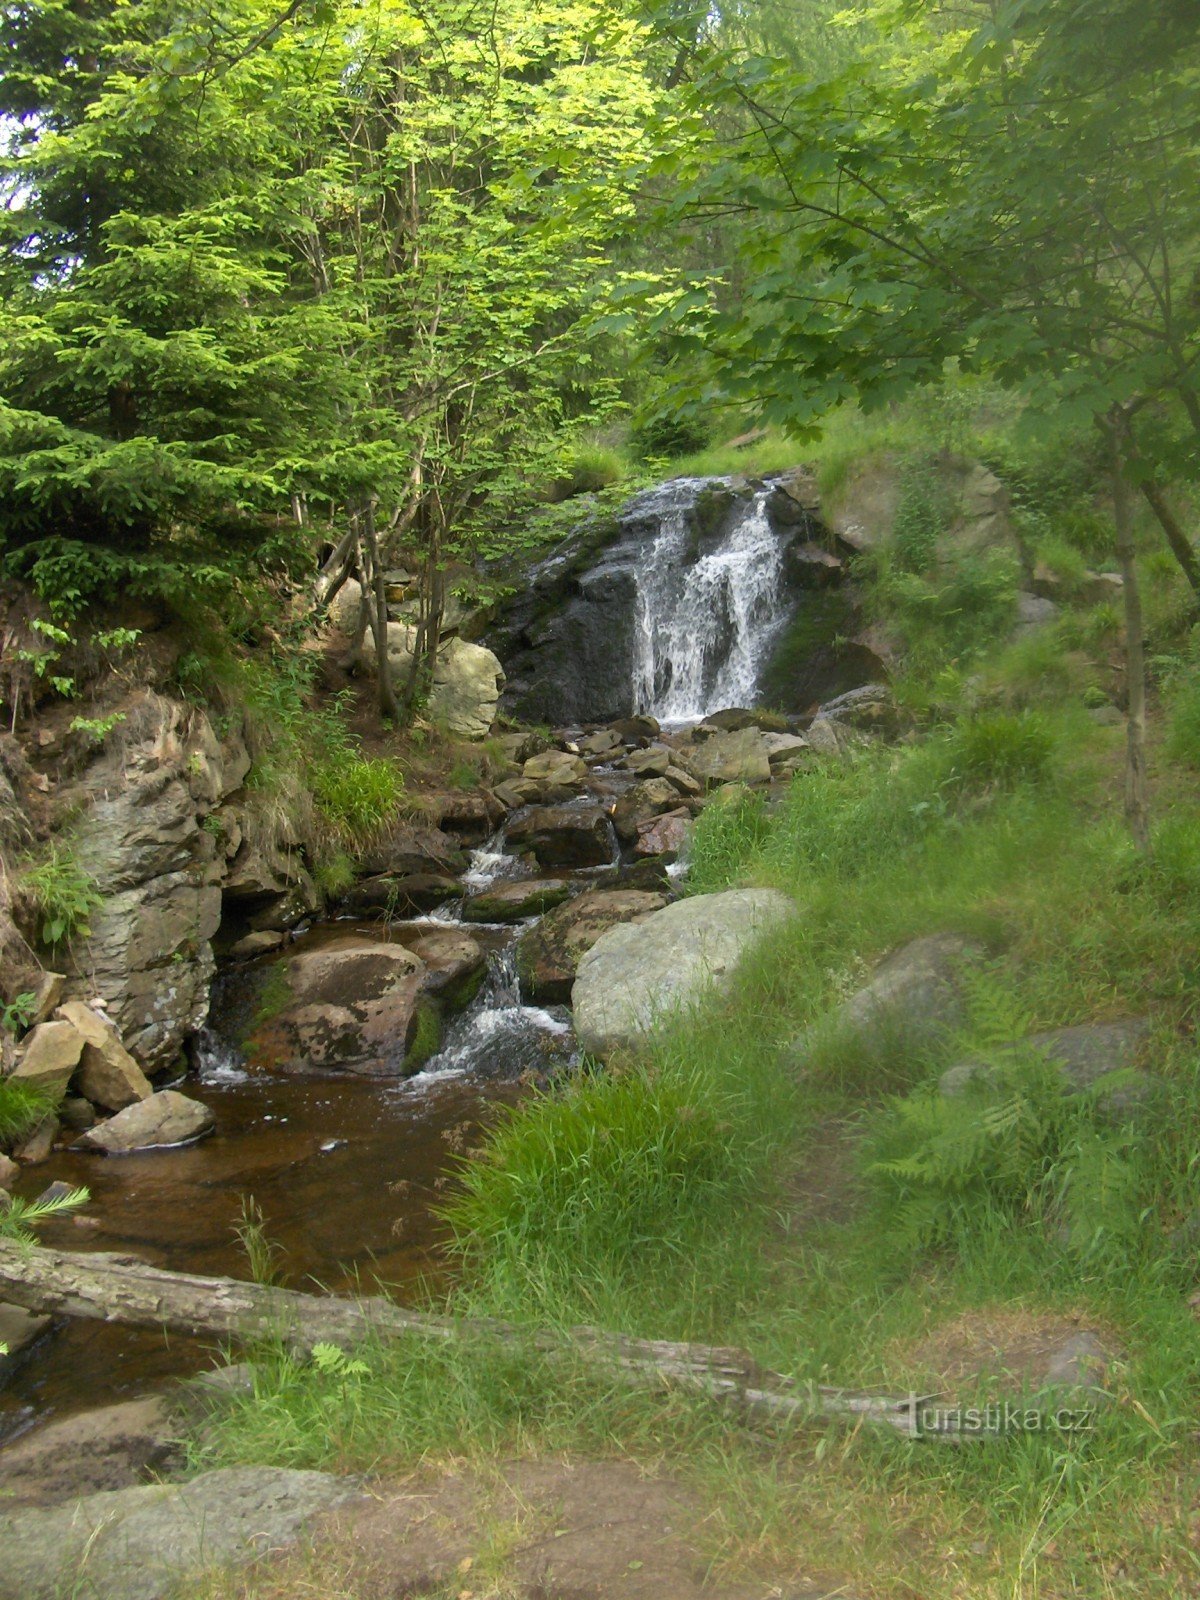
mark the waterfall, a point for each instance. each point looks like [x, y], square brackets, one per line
[704, 624]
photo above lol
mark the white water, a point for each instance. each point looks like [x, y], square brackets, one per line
[703, 631]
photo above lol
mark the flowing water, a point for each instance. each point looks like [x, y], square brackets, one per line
[704, 626]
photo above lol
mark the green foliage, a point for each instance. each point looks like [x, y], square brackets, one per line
[589, 469]
[925, 511]
[1183, 712]
[19, 1218]
[426, 1039]
[1010, 1147]
[63, 894]
[97, 728]
[22, 1107]
[952, 612]
[262, 1254]
[1000, 748]
[667, 434]
[16, 1013]
[334, 874]
[356, 794]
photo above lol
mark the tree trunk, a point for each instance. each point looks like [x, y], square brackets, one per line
[122, 1289]
[1137, 798]
[388, 704]
[1181, 545]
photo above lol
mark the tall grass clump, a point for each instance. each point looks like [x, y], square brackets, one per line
[22, 1107]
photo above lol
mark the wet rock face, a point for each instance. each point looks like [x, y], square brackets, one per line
[142, 802]
[563, 836]
[353, 1005]
[157, 1123]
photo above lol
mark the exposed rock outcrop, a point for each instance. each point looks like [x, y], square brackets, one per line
[640, 973]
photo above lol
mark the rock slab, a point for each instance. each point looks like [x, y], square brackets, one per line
[165, 1119]
[639, 973]
[140, 1543]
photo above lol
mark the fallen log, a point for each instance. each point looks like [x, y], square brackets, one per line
[122, 1289]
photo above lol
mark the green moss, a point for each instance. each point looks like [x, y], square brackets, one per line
[274, 997]
[427, 1037]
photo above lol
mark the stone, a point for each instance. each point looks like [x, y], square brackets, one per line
[1100, 588]
[110, 1447]
[653, 761]
[346, 606]
[736, 757]
[467, 679]
[824, 738]
[563, 836]
[664, 838]
[140, 803]
[784, 748]
[37, 1145]
[108, 1075]
[48, 1058]
[9, 1171]
[869, 709]
[257, 944]
[145, 1542]
[683, 782]
[641, 804]
[811, 566]
[77, 1114]
[640, 973]
[548, 955]
[471, 816]
[1081, 1362]
[20, 1329]
[603, 744]
[517, 747]
[401, 641]
[633, 730]
[402, 897]
[353, 1004]
[1033, 613]
[514, 901]
[517, 792]
[455, 963]
[50, 989]
[913, 997]
[736, 719]
[165, 1120]
[403, 848]
[558, 767]
[1084, 1055]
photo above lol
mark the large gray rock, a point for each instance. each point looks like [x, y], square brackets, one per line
[548, 955]
[739, 757]
[1083, 1056]
[642, 803]
[143, 1543]
[140, 805]
[639, 973]
[163, 1121]
[467, 679]
[913, 997]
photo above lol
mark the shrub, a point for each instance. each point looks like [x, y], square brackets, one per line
[356, 794]
[590, 469]
[667, 434]
[1000, 748]
[63, 893]
[926, 509]
[1183, 718]
[944, 615]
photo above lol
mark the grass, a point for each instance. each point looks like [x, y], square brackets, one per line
[766, 1178]
[22, 1107]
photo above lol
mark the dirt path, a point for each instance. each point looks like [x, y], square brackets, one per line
[541, 1530]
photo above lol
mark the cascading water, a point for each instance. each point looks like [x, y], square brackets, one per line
[704, 626]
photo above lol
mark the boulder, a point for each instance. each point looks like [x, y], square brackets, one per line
[641, 804]
[548, 955]
[913, 998]
[784, 750]
[869, 709]
[455, 963]
[736, 719]
[153, 1541]
[9, 1171]
[166, 1119]
[636, 974]
[811, 566]
[353, 1004]
[664, 838]
[557, 767]
[19, 1330]
[403, 897]
[1083, 1056]
[48, 1058]
[256, 944]
[517, 792]
[652, 762]
[519, 746]
[683, 782]
[1033, 613]
[50, 989]
[108, 1075]
[75, 1113]
[563, 836]
[140, 803]
[467, 679]
[38, 1143]
[601, 745]
[738, 757]
[471, 816]
[514, 901]
[405, 848]
[634, 730]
